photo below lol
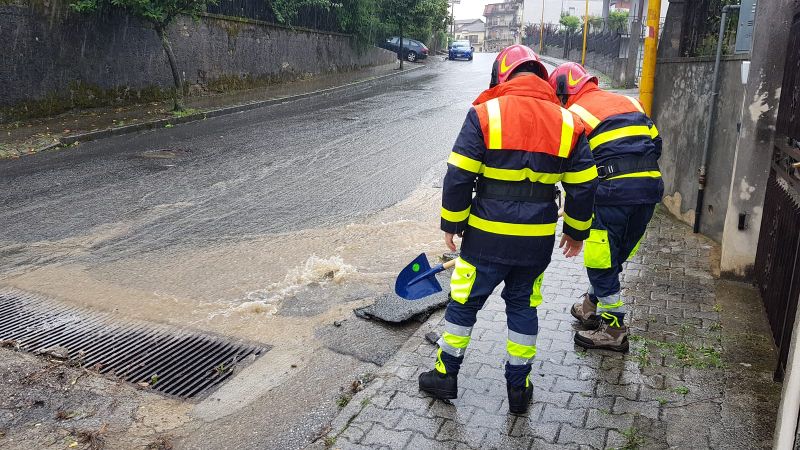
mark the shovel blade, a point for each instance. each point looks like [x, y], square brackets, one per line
[414, 282]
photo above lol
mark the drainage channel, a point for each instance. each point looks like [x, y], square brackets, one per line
[169, 360]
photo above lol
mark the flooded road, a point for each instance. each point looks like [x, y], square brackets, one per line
[265, 225]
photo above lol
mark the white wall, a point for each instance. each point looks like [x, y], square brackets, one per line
[552, 9]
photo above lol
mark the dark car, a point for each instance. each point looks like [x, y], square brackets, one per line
[460, 49]
[413, 49]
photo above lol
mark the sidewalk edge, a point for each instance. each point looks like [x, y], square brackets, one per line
[160, 123]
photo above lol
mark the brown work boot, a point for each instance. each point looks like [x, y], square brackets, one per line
[604, 338]
[586, 313]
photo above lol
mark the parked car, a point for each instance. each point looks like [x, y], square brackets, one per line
[413, 49]
[460, 49]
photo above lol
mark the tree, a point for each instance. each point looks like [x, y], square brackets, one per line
[618, 20]
[418, 18]
[570, 23]
[160, 14]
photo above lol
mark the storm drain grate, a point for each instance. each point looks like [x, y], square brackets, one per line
[168, 359]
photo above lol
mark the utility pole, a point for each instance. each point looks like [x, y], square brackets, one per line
[541, 32]
[585, 32]
[650, 49]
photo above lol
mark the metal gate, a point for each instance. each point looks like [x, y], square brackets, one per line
[778, 256]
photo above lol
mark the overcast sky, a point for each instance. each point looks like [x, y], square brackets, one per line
[473, 9]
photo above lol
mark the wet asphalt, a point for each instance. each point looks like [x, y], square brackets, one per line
[320, 162]
[315, 162]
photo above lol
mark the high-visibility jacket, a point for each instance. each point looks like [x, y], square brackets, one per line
[617, 128]
[517, 132]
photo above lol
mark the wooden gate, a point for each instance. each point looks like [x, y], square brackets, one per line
[778, 256]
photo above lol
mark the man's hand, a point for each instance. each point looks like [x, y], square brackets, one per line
[448, 240]
[571, 246]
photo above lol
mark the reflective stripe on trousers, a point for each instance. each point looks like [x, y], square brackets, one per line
[520, 348]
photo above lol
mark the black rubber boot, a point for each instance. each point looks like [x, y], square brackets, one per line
[519, 398]
[439, 385]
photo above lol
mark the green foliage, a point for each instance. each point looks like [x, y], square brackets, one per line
[571, 23]
[633, 439]
[618, 20]
[158, 12]
[595, 22]
[418, 19]
[286, 10]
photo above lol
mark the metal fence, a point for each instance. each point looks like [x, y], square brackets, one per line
[778, 258]
[601, 40]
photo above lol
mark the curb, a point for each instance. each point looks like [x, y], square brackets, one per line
[161, 123]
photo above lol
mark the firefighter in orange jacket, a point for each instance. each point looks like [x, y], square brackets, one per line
[516, 143]
[626, 147]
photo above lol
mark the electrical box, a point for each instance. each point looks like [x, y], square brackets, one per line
[744, 32]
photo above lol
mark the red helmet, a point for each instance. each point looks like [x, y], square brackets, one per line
[511, 58]
[569, 78]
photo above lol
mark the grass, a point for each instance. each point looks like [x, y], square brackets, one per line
[633, 439]
[717, 308]
[184, 112]
[661, 401]
[686, 353]
[682, 390]
[330, 441]
[153, 379]
[643, 356]
[344, 399]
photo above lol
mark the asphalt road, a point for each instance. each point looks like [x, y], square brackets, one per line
[307, 207]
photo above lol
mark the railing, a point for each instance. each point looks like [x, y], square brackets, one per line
[778, 258]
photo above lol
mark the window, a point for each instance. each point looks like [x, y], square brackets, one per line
[473, 38]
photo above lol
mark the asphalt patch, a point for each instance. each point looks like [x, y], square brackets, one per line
[394, 309]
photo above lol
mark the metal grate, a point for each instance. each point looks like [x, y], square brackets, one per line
[167, 359]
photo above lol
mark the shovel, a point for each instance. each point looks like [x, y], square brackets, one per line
[418, 279]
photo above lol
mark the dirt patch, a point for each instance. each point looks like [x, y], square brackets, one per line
[47, 403]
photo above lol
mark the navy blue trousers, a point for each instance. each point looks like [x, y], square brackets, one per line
[472, 282]
[614, 238]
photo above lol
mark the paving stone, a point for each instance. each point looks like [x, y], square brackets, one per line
[586, 399]
[381, 436]
[554, 413]
[603, 418]
[590, 438]
[530, 427]
[647, 409]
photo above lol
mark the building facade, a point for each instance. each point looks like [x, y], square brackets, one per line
[503, 24]
[472, 30]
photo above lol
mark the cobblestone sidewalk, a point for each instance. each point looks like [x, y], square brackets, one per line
[699, 373]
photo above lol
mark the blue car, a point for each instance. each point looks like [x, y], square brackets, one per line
[460, 49]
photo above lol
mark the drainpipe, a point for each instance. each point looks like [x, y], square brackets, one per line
[701, 181]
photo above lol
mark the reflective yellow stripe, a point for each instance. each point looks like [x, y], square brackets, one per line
[464, 162]
[455, 216]
[653, 132]
[583, 176]
[519, 350]
[536, 293]
[619, 133]
[495, 124]
[585, 115]
[580, 225]
[455, 341]
[636, 104]
[521, 175]
[439, 363]
[648, 174]
[462, 280]
[567, 128]
[512, 229]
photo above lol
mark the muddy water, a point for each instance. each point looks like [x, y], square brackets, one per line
[240, 288]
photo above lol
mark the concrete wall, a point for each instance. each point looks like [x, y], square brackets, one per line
[54, 59]
[754, 148]
[680, 110]
[614, 68]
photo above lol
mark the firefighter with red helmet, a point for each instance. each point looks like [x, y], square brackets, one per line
[516, 143]
[626, 147]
